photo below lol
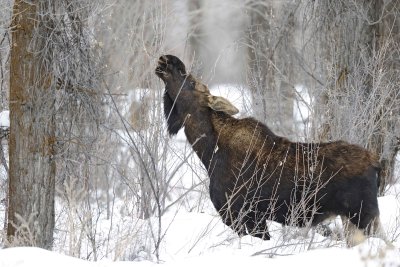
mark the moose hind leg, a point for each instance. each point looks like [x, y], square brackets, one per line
[352, 233]
[375, 228]
[361, 213]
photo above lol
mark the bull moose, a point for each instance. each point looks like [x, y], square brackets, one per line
[256, 175]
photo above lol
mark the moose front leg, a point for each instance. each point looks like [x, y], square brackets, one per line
[244, 224]
[257, 226]
[232, 219]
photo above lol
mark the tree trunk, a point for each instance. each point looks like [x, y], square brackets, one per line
[359, 53]
[32, 137]
[195, 8]
[271, 62]
[386, 35]
[260, 69]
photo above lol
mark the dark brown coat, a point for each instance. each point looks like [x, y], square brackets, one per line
[256, 175]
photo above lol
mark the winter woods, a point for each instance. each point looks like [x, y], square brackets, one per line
[87, 166]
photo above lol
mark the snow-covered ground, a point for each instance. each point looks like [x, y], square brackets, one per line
[197, 237]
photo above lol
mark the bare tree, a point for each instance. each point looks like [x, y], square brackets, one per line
[32, 136]
[196, 35]
[5, 14]
[271, 48]
[52, 75]
[140, 149]
[357, 43]
[5, 39]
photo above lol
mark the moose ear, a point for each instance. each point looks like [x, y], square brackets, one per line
[201, 88]
[219, 103]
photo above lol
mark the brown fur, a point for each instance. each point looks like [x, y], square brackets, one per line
[256, 175]
[342, 158]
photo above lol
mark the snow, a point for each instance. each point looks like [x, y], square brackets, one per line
[302, 111]
[371, 253]
[5, 119]
[30, 256]
[199, 238]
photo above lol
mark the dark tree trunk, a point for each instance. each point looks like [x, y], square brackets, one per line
[32, 137]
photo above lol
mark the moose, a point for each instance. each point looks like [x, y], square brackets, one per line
[256, 176]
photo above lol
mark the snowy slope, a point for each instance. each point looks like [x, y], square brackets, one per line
[371, 253]
[200, 239]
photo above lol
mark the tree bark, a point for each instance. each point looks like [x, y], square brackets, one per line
[195, 8]
[32, 136]
[359, 46]
[385, 33]
[271, 62]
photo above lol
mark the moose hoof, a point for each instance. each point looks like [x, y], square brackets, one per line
[263, 236]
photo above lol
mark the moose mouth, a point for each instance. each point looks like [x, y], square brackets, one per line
[161, 69]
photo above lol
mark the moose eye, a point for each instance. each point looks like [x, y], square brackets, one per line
[192, 85]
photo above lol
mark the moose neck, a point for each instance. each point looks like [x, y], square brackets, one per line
[174, 85]
[201, 135]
